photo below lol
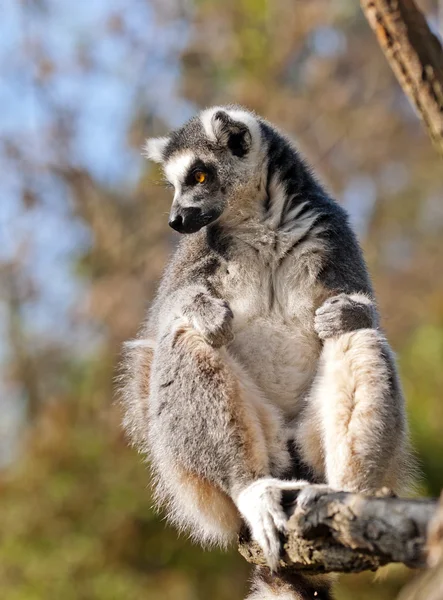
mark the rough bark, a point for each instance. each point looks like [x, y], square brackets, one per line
[343, 532]
[415, 55]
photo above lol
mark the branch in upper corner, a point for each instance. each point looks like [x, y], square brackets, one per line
[415, 55]
[343, 532]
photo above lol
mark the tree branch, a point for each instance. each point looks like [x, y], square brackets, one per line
[415, 55]
[344, 532]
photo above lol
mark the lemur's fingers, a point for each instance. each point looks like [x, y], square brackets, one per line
[332, 304]
[212, 317]
[261, 506]
[342, 314]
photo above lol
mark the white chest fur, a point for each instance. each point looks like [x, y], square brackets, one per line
[273, 291]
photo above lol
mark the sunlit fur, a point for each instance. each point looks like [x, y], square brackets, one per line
[261, 359]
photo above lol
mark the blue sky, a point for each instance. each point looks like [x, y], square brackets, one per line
[99, 105]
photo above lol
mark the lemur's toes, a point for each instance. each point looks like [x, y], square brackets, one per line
[310, 493]
[261, 505]
[385, 492]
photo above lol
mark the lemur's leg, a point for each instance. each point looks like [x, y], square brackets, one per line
[134, 389]
[215, 443]
[289, 586]
[354, 425]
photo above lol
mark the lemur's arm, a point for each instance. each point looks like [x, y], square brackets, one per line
[353, 430]
[189, 293]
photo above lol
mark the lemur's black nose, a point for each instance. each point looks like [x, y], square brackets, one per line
[176, 222]
[188, 220]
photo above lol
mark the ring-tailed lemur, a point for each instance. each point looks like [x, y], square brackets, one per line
[261, 366]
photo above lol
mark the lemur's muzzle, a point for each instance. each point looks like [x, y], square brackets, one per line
[190, 219]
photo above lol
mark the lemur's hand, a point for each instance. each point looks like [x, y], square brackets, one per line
[344, 313]
[212, 317]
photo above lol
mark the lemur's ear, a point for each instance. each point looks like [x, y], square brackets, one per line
[232, 134]
[154, 148]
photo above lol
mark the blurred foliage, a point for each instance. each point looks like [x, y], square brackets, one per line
[76, 517]
[75, 509]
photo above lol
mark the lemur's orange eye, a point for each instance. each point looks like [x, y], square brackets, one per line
[199, 176]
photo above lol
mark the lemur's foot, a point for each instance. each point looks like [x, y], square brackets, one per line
[342, 314]
[311, 492]
[385, 492]
[261, 505]
[212, 317]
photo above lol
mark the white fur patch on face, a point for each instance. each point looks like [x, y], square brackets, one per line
[154, 148]
[177, 167]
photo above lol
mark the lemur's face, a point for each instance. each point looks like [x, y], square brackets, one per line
[207, 161]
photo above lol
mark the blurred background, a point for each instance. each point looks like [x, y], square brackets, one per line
[84, 238]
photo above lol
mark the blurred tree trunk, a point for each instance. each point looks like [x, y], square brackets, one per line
[429, 586]
[415, 55]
